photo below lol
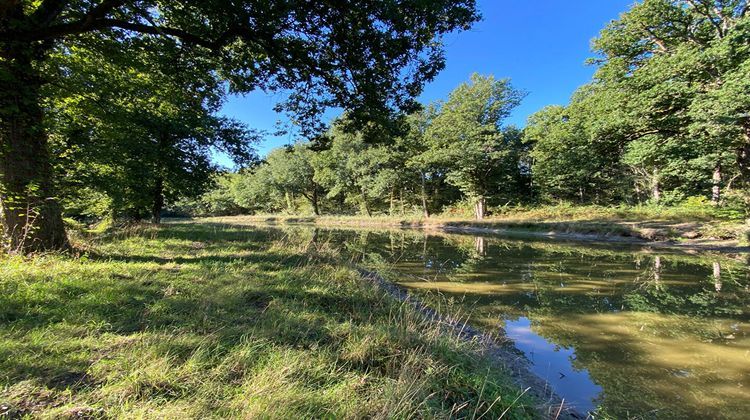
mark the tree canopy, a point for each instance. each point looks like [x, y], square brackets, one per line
[369, 57]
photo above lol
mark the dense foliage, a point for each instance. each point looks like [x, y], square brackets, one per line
[117, 99]
[665, 121]
[442, 154]
[111, 109]
[666, 116]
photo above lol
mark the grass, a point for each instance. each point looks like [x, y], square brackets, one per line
[649, 223]
[199, 321]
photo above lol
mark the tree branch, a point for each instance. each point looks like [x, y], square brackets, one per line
[656, 40]
[706, 12]
[48, 11]
[83, 26]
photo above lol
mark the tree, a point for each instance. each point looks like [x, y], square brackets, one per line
[576, 150]
[221, 199]
[361, 173]
[291, 172]
[147, 135]
[369, 56]
[415, 147]
[673, 59]
[467, 136]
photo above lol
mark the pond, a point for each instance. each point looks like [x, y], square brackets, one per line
[622, 331]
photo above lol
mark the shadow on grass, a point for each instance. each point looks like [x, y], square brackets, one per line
[49, 327]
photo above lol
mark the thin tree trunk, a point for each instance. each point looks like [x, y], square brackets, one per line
[30, 216]
[289, 202]
[655, 186]
[480, 246]
[158, 204]
[365, 205]
[425, 209]
[717, 276]
[716, 181]
[479, 208]
[392, 201]
[314, 201]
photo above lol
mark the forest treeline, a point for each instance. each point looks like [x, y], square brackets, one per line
[666, 120]
[111, 109]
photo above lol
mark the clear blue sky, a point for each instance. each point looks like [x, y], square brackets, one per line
[540, 45]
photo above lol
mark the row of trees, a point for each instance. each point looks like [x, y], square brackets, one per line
[667, 115]
[665, 119]
[456, 150]
[110, 107]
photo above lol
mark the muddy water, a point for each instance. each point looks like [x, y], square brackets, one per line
[626, 332]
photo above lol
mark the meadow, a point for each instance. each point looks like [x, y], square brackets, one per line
[208, 320]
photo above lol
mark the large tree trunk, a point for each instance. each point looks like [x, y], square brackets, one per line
[716, 181]
[158, 201]
[425, 209]
[480, 208]
[30, 216]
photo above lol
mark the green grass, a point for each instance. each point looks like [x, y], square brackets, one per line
[198, 321]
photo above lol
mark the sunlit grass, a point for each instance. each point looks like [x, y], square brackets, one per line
[197, 320]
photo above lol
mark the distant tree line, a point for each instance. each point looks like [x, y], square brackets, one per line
[446, 152]
[666, 120]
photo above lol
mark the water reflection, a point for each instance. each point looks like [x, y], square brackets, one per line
[554, 364]
[625, 331]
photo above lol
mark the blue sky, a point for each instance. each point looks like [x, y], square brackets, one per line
[540, 45]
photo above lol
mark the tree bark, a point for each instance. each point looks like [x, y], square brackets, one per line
[480, 246]
[158, 204]
[314, 201]
[425, 209]
[30, 216]
[716, 181]
[480, 208]
[655, 186]
[717, 276]
[365, 205]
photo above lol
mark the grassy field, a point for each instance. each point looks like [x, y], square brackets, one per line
[194, 320]
[648, 223]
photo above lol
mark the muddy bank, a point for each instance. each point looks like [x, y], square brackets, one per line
[498, 350]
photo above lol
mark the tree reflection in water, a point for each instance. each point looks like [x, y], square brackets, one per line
[655, 334]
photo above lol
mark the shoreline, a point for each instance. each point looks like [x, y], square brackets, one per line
[505, 353]
[562, 230]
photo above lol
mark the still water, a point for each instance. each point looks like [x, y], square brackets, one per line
[621, 331]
